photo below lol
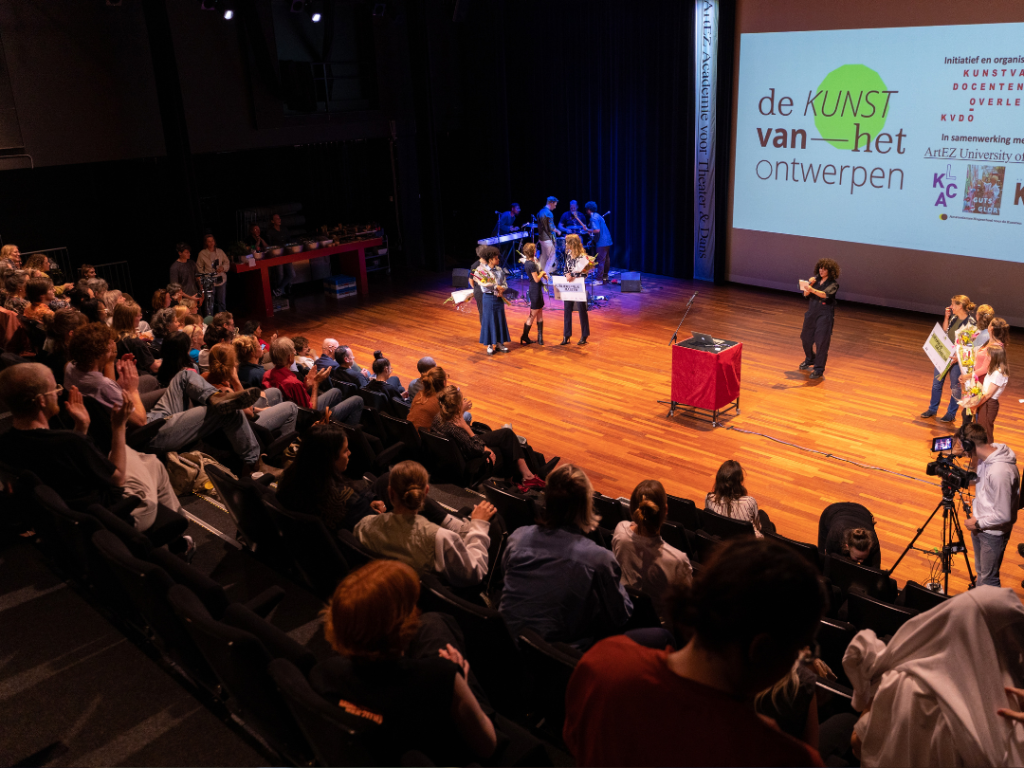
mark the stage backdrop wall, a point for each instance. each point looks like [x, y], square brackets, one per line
[889, 136]
[584, 100]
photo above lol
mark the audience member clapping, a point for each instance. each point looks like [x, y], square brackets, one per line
[306, 393]
[729, 497]
[747, 617]
[398, 667]
[557, 581]
[404, 534]
[648, 563]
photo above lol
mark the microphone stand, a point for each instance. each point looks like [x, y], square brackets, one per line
[688, 305]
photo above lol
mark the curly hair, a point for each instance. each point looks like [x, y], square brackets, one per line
[90, 343]
[247, 348]
[831, 265]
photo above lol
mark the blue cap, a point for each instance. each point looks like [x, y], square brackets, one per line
[552, 199]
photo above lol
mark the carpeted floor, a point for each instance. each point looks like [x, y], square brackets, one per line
[75, 691]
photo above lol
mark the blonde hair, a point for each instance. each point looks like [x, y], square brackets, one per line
[786, 688]
[408, 481]
[124, 318]
[983, 316]
[450, 401]
[574, 246]
[247, 347]
[181, 312]
[964, 302]
[223, 362]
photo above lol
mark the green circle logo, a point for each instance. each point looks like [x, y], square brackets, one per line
[850, 95]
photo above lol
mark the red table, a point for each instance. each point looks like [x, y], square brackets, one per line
[351, 258]
[706, 380]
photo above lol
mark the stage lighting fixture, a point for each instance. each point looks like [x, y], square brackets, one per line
[229, 14]
[315, 17]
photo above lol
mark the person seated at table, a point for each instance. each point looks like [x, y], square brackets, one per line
[306, 393]
[404, 534]
[383, 381]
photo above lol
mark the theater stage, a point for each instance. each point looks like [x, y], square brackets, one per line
[597, 405]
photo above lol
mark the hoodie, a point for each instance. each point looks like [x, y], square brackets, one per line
[997, 492]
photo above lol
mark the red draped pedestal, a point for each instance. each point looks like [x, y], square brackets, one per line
[706, 379]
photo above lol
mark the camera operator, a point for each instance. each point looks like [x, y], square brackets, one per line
[996, 497]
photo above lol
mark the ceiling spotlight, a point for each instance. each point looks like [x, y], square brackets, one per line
[315, 17]
[229, 14]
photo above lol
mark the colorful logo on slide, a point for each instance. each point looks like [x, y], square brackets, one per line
[852, 100]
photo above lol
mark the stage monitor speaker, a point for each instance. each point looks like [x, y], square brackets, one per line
[630, 282]
[460, 278]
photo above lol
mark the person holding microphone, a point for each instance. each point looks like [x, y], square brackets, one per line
[820, 316]
[957, 314]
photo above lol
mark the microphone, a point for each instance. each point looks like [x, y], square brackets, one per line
[692, 298]
[606, 213]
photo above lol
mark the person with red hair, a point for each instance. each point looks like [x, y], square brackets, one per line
[401, 670]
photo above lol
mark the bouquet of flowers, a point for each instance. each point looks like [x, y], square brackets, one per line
[483, 276]
[972, 389]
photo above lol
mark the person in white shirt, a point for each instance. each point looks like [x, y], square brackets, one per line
[214, 261]
[460, 556]
[996, 497]
[648, 563]
[986, 405]
[940, 692]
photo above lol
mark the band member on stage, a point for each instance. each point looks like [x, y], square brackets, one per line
[213, 260]
[493, 327]
[546, 233]
[577, 266]
[572, 218]
[820, 315]
[603, 240]
[536, 276]
[507, 220]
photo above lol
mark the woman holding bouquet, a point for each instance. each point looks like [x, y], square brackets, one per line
[491, 278]
[535, 274]
[958, 314]
[984, 398]
[577, 265]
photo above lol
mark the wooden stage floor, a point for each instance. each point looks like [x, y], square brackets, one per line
[597, 405]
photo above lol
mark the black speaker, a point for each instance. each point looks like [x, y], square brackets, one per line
[460, 278]
[630, 282]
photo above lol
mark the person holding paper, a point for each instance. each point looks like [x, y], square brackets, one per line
[577, 266]
[816, 334]
[957, 314]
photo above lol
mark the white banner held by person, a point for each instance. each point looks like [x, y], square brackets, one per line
[566, 291]
[939, 348]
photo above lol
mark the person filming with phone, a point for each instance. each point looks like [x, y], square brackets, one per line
[996, 498]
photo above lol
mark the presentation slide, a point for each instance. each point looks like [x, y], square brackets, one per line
[868, 133]
[912, 138]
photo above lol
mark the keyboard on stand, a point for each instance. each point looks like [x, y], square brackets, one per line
[510, 237]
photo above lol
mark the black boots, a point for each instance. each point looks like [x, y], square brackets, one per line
[525, 338]
[540, 333]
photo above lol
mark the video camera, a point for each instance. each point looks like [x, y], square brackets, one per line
[953, 478]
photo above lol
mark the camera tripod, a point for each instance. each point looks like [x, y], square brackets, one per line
[952, 538]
